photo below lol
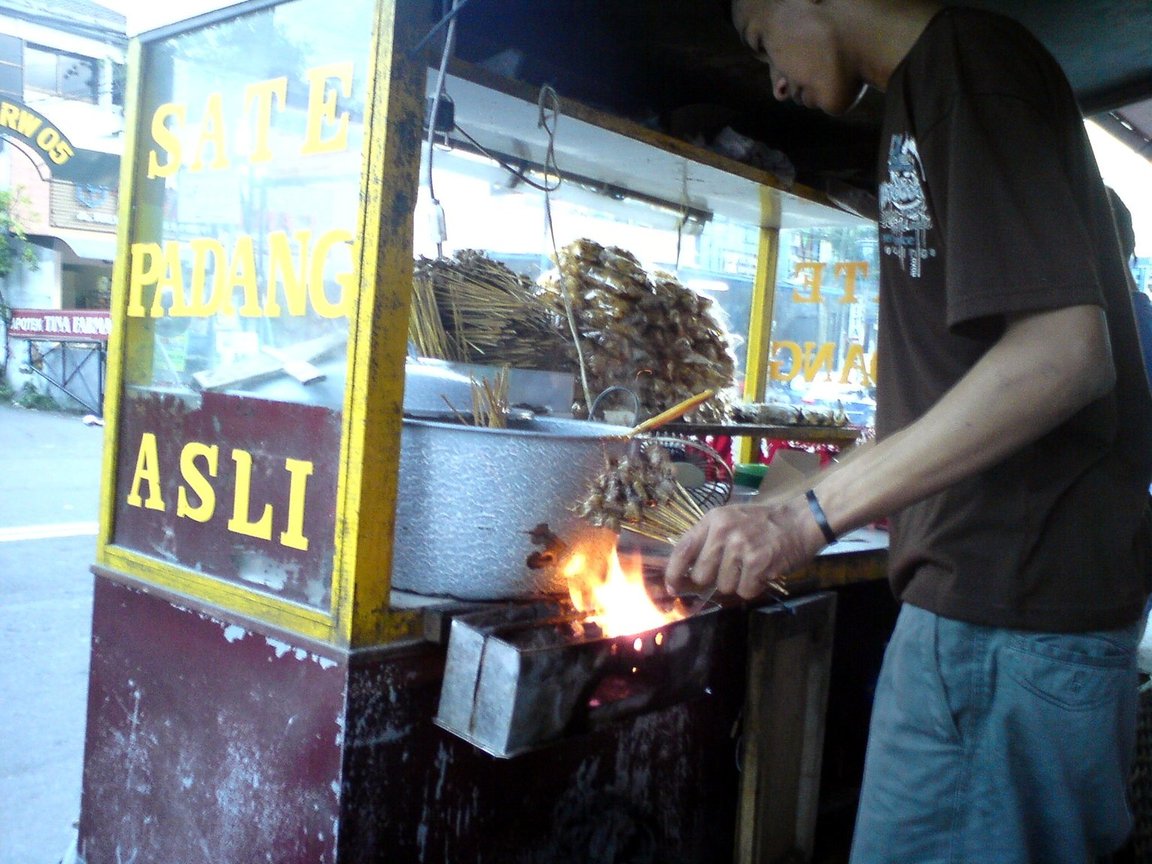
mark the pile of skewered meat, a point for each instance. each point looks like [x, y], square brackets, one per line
[640, 492]
[787, 414]
[646, 333]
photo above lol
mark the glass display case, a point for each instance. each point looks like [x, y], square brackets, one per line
[500, 175]
[248, 409]
[240, 282]
[823, 343]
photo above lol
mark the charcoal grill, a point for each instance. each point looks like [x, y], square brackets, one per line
[519, 677]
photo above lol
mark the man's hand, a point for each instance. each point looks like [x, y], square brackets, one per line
[743, 548]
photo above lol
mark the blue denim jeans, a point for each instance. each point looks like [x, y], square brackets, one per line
[998, 746]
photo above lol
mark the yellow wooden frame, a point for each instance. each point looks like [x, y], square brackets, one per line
[366, 486]
[760, 320]
[374, 396]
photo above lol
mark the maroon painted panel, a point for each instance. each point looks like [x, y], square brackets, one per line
[206, 742]
[288, 452]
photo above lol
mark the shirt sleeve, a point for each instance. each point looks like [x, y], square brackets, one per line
[1012, 223]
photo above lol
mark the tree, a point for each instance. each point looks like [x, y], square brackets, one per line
[14, 249]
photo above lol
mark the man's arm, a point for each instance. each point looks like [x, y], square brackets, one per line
[1045, 368]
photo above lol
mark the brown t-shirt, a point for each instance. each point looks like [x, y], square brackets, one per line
[991, 203]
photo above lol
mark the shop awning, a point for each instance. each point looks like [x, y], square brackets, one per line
[97, 247]
[91, 167]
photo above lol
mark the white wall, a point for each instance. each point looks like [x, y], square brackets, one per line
[92, 127]
[36, 289]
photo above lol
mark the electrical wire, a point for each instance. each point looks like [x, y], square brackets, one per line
[684, 215]
[441, 75]
[548, 119]
[680, 240]
[519, 173]
[448, 18]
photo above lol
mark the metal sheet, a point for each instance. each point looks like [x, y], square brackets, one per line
[520, 678]
[509, 125]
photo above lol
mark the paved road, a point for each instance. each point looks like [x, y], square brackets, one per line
[49, 495]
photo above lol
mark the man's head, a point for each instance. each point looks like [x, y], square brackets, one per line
[822, 53]
[801, 43]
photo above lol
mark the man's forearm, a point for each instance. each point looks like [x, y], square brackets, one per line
[1045, 368]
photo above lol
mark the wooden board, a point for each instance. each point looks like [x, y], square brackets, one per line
[789, 658]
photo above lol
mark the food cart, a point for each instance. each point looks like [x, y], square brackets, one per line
[261, 687]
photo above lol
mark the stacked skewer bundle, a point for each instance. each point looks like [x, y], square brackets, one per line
[646, 333]
[472, 309]
[640, 493]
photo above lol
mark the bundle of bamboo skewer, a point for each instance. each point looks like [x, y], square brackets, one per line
[490, 401]
[472, 309]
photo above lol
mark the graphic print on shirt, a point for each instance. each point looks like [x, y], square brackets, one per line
[904, 217]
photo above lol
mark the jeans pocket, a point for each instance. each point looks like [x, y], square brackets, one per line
[1073, 671]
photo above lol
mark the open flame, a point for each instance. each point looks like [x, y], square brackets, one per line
[613, 592]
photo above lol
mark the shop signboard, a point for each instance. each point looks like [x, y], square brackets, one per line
[83, 206]
[241, 274]
[29, 125]
[61, 325]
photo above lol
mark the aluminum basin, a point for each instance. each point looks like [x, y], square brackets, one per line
[484, 514]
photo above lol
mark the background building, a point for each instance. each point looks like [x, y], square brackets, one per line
[61, 130]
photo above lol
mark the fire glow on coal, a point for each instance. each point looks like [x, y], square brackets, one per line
[613, 594]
